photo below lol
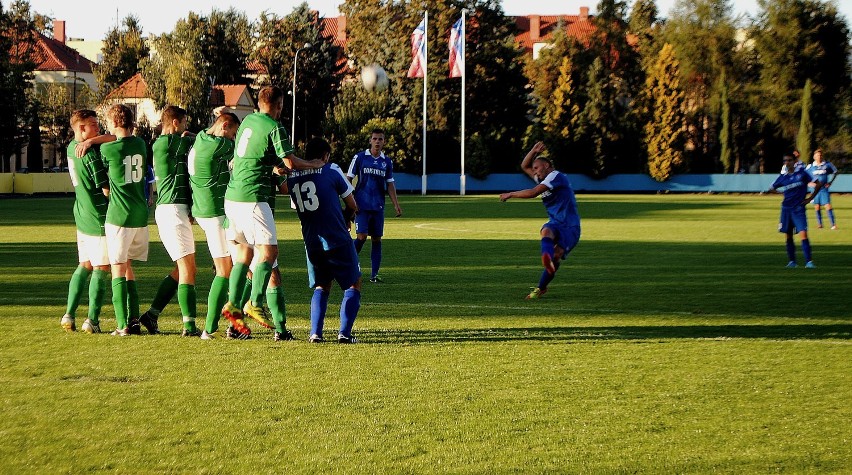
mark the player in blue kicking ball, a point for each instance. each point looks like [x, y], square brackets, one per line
[561, 233]
[330, 250]
[793, 183]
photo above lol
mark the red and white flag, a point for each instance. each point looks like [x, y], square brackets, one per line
[418, 51]
[457, 49]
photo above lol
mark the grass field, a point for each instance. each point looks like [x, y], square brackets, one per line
[672, 341]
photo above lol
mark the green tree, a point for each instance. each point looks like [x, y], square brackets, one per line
[555, 97]
[124, 49]
[192, 58]
[319, 69]
[726, 143]
[804, 140]
[664, 132]
[226, 41]
[703, 34]
[18, 43]
[492, 63]
[797, 40]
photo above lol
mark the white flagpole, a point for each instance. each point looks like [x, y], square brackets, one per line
[463, 179]
[425, 82]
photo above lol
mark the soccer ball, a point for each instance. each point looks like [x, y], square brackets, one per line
[374, 78]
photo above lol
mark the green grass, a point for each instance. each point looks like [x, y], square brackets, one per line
[673, 340]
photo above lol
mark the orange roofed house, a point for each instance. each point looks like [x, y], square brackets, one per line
[234, 98]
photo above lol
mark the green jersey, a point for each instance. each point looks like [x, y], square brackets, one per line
[170, 168]
[88, 177]
[209, 174]
[125, 161]
[261, 144]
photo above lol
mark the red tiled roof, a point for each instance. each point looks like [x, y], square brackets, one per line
[52, 55]
[330, 28]
[226, 94]
[137, 88]
[133, 88]
[254, 67]
[574, 25]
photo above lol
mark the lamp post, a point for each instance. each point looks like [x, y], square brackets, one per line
[295, 59]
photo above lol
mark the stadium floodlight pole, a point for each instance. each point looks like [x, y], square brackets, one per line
[295, 60]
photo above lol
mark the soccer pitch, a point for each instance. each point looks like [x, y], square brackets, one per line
[673, 340]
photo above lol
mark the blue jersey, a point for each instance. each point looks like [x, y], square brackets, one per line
[317, 195]
[794, 186]
[822, 172]
[559, 200]
[374, 173]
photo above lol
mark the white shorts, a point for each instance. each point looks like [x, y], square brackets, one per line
[175, 230]
[125, 244]
[217, 241]
[252, 223]
[92, 249]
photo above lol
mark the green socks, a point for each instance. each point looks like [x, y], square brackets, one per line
[215, 301]
[165, 293]
[187, 300]
[132, 300]
[97, 292]
[237, 282]
[75, 288]
[259, 282]
[119, 302]
[245, 295]
[277, 306]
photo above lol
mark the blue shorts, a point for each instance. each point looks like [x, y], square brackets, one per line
[370, 222]
[567, 237]
[339, 264]
[793, 220]
[823, 197]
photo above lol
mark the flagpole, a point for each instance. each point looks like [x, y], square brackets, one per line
[463, 179]
[425, 82]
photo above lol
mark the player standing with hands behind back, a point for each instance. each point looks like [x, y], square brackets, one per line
[562, 232]
[375, 175]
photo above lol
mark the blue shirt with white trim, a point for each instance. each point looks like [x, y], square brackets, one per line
[559, 200]
[317, 194]
[374, 173]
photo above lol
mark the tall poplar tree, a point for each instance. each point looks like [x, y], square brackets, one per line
[804, 140]
[664, 133]
[726, 139]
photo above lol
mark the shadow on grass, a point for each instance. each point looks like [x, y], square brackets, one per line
[636, 333]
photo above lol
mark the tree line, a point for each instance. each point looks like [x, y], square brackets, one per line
[700, 91]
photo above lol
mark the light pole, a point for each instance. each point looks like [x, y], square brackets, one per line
[295, 59]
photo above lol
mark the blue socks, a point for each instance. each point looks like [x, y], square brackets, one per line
[359, 244]
[375, 258]
[831, 216]
[791, 248]
[547, 277]
[319, 303]
[547, 246]
[348, 311]
[806, 249]
[819, 217]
